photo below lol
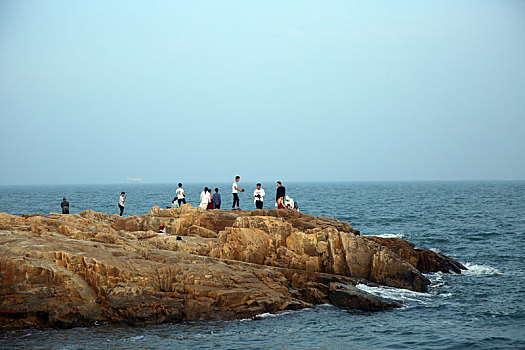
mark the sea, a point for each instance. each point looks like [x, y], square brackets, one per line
[481, 224]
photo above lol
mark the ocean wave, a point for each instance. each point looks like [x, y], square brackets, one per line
[477, 269]
[323, 305]
[436, 279]
[136, 338]
[438, 285]
[267, 314]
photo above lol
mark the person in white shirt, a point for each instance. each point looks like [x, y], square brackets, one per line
[205, 198]
[181, 195]
[235, 191]
[121, 201]
[258, 195]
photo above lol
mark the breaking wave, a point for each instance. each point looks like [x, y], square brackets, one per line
[477, 269]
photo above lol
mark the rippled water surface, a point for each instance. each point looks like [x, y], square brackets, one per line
[481, 224]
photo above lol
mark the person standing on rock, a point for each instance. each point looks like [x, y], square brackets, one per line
[258, 195]
[121, 201]
[210, 200]
[279, 197]
[205, 198]
[65, 206]
[235, 191]
[181, 195]
[216, 199]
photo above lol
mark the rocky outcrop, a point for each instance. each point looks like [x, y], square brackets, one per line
[424, 260]
[72, 270]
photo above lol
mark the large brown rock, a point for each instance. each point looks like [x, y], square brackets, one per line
[424, 260]
[71, 270]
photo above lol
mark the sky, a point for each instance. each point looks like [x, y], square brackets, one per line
[167, 91]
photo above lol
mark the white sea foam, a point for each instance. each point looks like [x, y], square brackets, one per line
[389, 235]
[403, 295]
[138, 337]
[475, 269]
[446, 295]
[323, 305]
[266, 314]
[436, 279]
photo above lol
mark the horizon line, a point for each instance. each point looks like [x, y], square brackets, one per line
[262, 181]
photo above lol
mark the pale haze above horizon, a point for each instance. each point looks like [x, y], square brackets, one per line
[167, 91]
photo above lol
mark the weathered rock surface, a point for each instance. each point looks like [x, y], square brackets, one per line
[72, 270]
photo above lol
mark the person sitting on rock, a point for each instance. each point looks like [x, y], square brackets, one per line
[291, 204]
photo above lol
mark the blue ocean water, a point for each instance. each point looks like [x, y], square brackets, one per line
[481, 224]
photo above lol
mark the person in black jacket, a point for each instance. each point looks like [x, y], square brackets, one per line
[65, 206]
[279, 197]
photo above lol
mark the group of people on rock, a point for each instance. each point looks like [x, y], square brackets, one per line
[213, 201]
[209, 201]
[121, 201]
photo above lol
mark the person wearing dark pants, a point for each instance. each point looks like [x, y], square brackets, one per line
[235, 201]
[235, 191]
[258, 195]
[279, 197]
[121, 201]
[65, 206]
[181, 195]
[216, 199]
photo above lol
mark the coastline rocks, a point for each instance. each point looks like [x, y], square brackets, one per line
[424, 260]
[72, 270]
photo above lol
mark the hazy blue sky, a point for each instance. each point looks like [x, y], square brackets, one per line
[99, 91]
